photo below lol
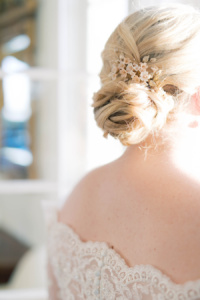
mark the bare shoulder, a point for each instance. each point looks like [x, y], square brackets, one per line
[171, 229]
[81, 203]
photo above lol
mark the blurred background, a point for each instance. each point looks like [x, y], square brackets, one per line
[50, 58]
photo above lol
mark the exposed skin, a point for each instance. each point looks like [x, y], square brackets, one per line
[148, 210]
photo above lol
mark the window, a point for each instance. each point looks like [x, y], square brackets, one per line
[50, 58]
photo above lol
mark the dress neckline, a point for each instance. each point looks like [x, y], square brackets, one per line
[138, 267]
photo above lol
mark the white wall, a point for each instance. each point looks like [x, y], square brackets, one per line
[138, 4]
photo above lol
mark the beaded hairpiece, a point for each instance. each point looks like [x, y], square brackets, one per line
[141, 73]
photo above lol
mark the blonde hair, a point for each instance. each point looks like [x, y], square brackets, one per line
[171, 34]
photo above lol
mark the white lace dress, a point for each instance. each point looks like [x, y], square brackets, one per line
[93, 270]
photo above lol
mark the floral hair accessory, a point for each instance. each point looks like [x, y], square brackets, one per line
[141, 73]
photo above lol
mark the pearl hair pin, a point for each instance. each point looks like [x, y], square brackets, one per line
[129, 70]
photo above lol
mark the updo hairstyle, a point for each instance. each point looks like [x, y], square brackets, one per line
[171, 35]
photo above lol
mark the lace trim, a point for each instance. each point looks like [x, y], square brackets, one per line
[125, 274]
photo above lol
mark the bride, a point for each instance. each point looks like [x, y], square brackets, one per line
[131, 229]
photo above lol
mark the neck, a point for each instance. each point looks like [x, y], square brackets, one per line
[172, 171]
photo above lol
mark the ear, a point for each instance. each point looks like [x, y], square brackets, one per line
[195, 102]
[194, 109]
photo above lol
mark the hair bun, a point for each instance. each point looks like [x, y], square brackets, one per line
[130, 112]
[151, 66]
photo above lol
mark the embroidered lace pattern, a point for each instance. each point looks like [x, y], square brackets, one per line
[93, 270]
